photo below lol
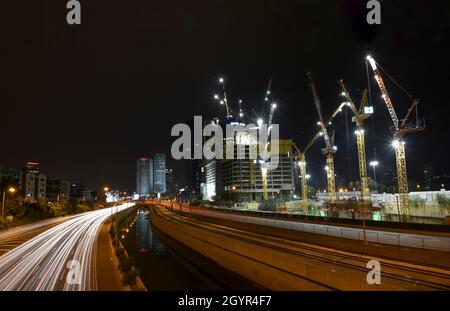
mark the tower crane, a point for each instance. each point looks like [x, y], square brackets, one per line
[399, 129]
[302, 157]
[359, 116]
[329, 149]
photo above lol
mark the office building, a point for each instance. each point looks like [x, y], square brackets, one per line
[57, 189]
[33, 184]
[144, 176]
[82, 194]
[170, 181]
[159, 173]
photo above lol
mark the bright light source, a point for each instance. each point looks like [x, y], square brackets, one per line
[241, 114]
[216, 96]
[334, 148]
[372, 62]
[221, 80]
[373, 163]
[222, 102]
[329, 123]
[308, 176]
[274, 105]
[320, 134]
[106, 189]
[240, 101]
[368, 57]
[318, 123]
[11, 189]
[260, 121]
[268, 92]
[343, 94]
[266, 99]
[326, 168]
[384, 95]
[395, 143]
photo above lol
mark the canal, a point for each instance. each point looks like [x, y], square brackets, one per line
[166, 265]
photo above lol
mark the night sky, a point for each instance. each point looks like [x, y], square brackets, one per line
[87, 100]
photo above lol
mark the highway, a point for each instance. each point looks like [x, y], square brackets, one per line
[60, 258]
[11, 238]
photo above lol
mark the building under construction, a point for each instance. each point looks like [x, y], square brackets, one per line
[241, 179]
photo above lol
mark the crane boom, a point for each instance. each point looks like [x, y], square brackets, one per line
[319, 112]
[384, 92]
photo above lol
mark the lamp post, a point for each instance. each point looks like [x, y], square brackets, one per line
[374, 164]
[10, 190]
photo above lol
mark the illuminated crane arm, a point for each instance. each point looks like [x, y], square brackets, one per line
[347, 96]
[319, 112]
[384, 92]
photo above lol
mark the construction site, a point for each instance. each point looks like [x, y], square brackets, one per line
[246, 183]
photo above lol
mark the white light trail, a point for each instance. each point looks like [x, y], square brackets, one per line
[41, 263]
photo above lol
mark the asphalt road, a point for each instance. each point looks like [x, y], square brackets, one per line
[11, 238]
[60, 258]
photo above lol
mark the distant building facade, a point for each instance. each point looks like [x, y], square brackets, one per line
[144, 176]
[159, 173]
[170, 181]
[9, 178]
[57, 189]
[428, 176]
[33, 185]
[81, 193]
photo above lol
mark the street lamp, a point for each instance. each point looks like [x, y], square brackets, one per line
[10, 190]
[374, 164]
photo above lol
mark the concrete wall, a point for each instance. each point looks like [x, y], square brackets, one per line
[275, 268]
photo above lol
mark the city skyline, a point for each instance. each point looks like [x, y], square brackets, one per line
[286, 54]
[266, 150]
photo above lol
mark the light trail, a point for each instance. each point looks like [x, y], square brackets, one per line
[43, 262]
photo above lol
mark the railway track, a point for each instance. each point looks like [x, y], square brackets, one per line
[417, 276]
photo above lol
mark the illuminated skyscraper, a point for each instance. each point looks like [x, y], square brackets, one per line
[159, 174]
[144, 176]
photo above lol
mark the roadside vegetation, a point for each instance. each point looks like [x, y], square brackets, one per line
[20, 213]
[126, 264]
[443, 202]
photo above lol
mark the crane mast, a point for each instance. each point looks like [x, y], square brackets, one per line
[359, 117]
[272, 108]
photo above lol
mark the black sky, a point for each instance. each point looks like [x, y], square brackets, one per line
[86, 100]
